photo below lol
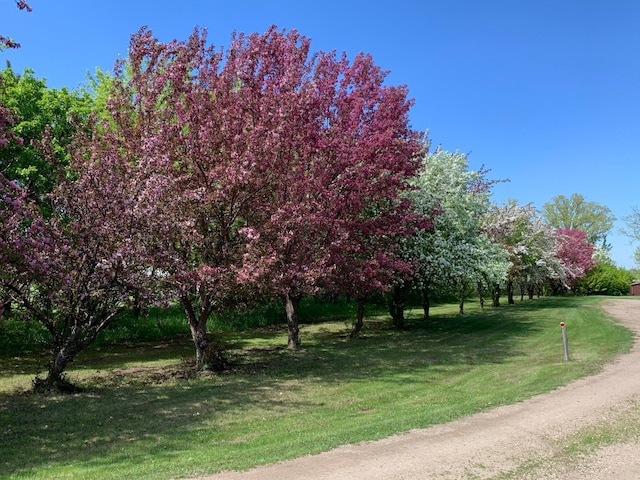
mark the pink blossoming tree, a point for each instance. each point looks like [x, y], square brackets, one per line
[257, 164]
[576, 253]
[77, 270]
[333, 209]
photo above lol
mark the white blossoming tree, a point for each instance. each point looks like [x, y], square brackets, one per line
[531, 244]
[454, 256]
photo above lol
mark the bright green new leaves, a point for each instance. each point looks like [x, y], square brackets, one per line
[633, 229]
[34, 106]
[575, 213]
[605, 279]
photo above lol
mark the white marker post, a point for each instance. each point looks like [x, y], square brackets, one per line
[565, 344]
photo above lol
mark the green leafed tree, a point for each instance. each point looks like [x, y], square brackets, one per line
[633, 229]
[34, 108]
[575, 213]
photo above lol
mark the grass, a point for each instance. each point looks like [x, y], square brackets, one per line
[145, 415]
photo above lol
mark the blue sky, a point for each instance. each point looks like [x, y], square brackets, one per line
[545, 93]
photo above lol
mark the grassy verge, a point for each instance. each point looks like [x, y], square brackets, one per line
[144, 415]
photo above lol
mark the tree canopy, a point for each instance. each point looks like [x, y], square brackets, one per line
[633, 229]
[35, 107]
[270, 165]
[575, 213]
[454, 256]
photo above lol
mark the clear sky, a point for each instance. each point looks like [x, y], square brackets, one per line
[544, 93]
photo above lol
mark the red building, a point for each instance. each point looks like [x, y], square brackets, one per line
[635, 288]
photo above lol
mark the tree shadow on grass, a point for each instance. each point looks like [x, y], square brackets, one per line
[104, 422]
[486, 337]
[120, 411]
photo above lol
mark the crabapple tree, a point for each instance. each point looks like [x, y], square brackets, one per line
[576, 253]
[76, 270]
[332, 208]
[454, 256]
[194, 124]
[532, 246]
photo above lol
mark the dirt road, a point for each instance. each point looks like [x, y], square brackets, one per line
[522, 441]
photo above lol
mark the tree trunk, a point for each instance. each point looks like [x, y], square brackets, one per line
[70, 334]
[6, 306]
[359, 320]
[55, 381]
[198, 327]
[396, 305]
[510, 292]
[426, 302]
[291, 303]
[495, 295]
[480, 296]
[61, 359]
[530, 290]
[201, 343]
[461, 309]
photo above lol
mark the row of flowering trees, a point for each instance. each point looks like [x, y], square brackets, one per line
[538, 254]
[215, 178]
[478, 247]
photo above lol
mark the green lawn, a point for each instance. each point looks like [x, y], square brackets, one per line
[145, 415]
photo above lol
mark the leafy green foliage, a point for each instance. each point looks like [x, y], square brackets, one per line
[575, 213]
[633, 229]
[147, 326]
[605, 279]
[18, 336]
[34, 106]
